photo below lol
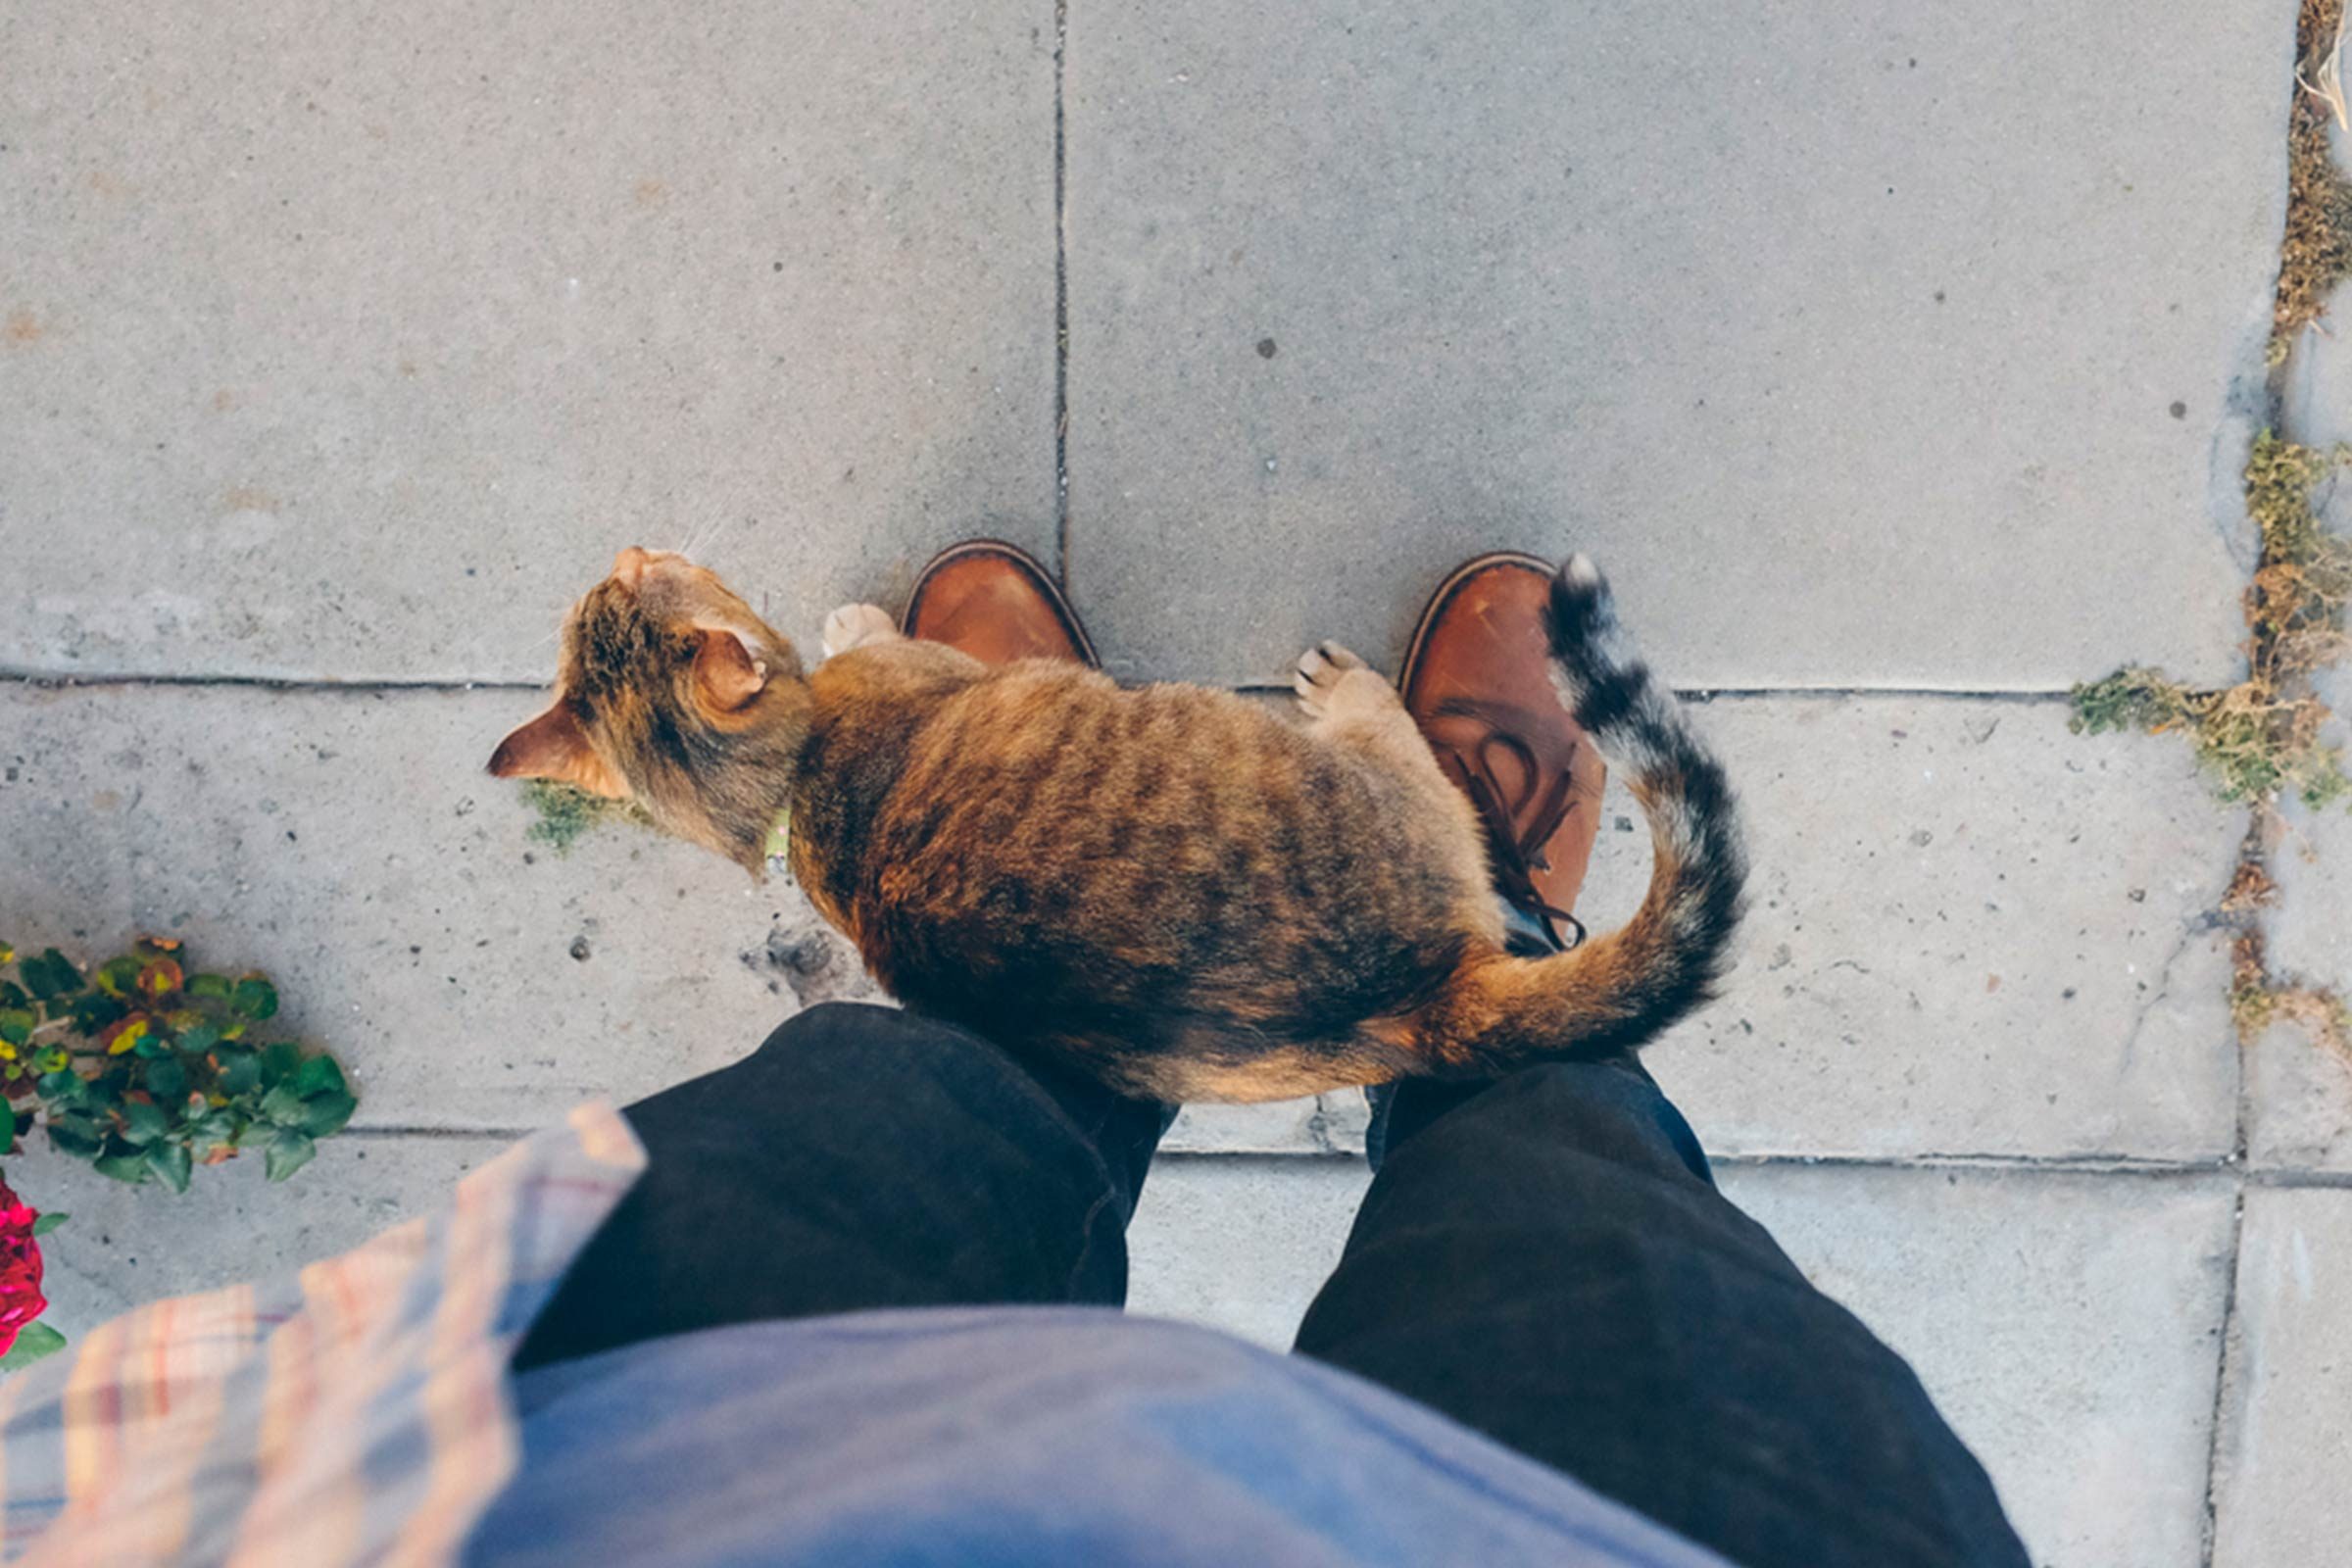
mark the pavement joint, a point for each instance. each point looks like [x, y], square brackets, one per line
[2222, 1371]
[1061, 302]
[72, 679]
[56, 680]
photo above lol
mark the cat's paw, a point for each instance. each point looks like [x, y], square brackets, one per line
[857, 626]
[1323, 681]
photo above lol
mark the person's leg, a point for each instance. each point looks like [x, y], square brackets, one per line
[1546, 1259]
[862, 1157]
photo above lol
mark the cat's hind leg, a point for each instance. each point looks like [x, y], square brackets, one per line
[859, 626]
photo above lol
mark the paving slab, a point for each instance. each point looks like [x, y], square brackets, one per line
[1241, 1245]
[1970, 933]
[2299, 1090]
[2315, 404]
[2298, 1102]
[1320, 1124]
[352, 348]
[123, 1247]
[350, 844]
[1786, 314]
[2068, 1327]
[2287, 1409]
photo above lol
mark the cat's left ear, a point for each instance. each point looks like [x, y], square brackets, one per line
[554, 746]
[727, 674]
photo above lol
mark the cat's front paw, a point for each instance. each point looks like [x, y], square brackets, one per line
[1330, 679]
[856, 626]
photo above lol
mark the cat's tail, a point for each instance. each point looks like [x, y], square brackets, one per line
[1617, 991]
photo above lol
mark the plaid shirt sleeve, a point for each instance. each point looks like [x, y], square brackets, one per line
[355, 1412]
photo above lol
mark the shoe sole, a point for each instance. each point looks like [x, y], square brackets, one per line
[1029, 564]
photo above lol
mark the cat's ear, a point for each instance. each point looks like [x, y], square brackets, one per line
[727, 676]
[554, 746]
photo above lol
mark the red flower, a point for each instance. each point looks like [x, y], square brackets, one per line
[21, 1299]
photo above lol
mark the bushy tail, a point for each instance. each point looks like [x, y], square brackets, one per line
[1617, 991]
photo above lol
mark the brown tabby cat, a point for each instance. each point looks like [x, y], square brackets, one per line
[1170, 888]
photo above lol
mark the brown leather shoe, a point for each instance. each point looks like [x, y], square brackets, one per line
[1477, 680]
[994, 601]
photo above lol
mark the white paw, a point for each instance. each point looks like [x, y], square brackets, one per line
[856, 626]
[1317, 678]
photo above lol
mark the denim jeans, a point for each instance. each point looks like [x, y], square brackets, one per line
[1545, 1258]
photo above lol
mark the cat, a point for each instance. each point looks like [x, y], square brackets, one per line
[1175, 889]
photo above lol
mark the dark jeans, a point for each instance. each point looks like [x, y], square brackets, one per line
[1545, 1258]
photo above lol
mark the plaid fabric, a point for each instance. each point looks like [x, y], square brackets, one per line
[355, 1412]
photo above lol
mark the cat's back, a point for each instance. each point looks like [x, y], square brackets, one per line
[1056, 840]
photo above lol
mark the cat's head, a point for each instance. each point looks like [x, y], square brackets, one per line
[673, 694]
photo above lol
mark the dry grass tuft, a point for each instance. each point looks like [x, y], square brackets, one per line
[2250, 889]
[2317, 252]
[2257, 1000]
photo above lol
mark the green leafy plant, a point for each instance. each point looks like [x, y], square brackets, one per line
[2261, 738]
[147, 1070]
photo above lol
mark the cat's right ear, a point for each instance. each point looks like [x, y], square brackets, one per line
[554, 746]
[727, 674]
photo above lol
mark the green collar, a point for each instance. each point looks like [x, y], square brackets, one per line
[779, 837]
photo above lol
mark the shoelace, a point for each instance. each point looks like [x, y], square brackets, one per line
[1517, 856]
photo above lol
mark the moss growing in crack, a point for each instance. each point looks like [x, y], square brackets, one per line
[565, 813]
[2260, 739]
[2316, 253]
[2135, 697]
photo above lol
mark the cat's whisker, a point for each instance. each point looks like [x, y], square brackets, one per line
[711, 532]
[708, 536]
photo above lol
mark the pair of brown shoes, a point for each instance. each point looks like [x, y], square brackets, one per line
[1476, 679]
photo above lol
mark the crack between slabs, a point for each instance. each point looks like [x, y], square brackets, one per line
[1327, 1149]
[2223, 1356]
[50, 680]
[1061, 304]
